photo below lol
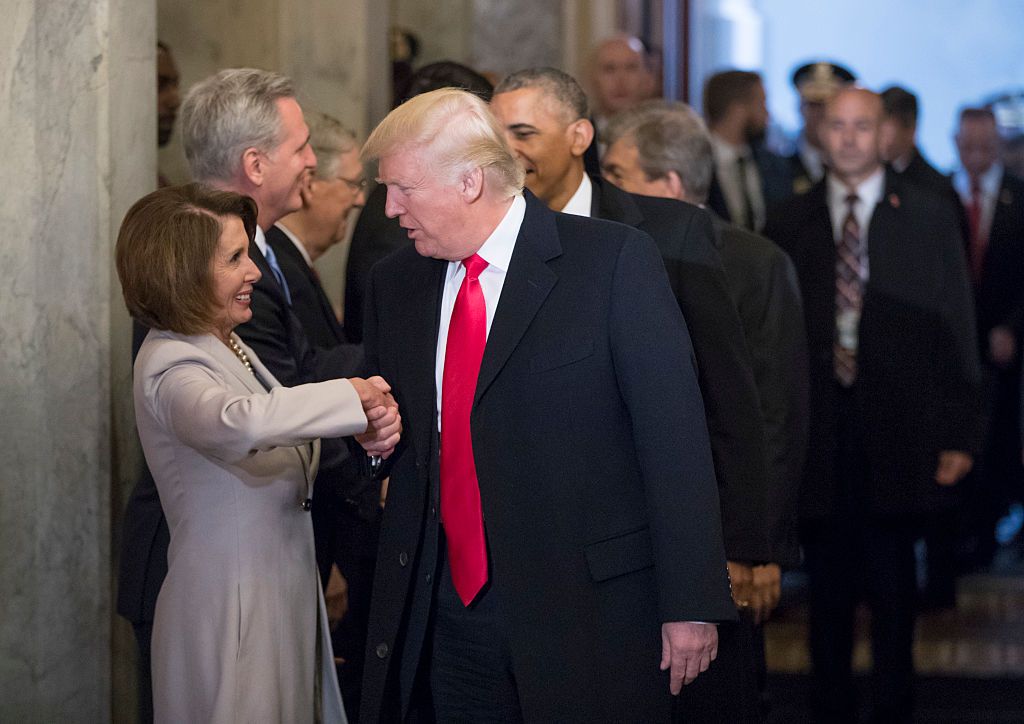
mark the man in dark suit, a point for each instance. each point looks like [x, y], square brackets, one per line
[893, 384]
[664, 150]
[572, 473]
[748, 179]
[376, 235]
[993, 203]
[545, 118]
[815, 83]
[900, 151]
[273, 175]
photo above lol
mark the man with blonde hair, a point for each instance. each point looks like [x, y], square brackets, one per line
[552, 520]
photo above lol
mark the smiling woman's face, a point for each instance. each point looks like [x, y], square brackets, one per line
[234, 273]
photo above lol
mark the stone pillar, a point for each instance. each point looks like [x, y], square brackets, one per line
[508, 36]
[77, 109]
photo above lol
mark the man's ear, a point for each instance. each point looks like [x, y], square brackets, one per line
[308, 193]
[675, 186]
[253, 166]
[471, 184]
[581, 134]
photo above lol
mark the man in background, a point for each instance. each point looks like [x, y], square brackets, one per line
[748, 177]
[993, 202]
[815, 83]
[893, 399]
[621, 76]
[168, 98]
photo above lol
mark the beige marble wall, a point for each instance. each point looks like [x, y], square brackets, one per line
[77, 110]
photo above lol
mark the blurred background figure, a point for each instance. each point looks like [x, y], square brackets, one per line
[993, 201]
[621, 75]
[168, 98]
[748, 177]
[816, 83]
[1013, 155]
[899, 141]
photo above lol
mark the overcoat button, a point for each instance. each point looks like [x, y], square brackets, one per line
[403, 559]
[382, 651]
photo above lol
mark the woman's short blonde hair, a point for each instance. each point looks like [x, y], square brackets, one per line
[165, 251]
[458, 131]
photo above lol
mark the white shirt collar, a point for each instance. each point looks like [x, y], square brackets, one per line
[295, 240]
[261, 240]
[497, 249]
[869, 191]
[580, 203]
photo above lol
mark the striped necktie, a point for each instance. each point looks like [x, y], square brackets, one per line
[849, 294]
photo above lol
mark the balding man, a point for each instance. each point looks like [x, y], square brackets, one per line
[893, 387]
[552, 523]
[620, 75]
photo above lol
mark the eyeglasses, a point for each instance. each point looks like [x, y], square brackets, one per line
[356, 185]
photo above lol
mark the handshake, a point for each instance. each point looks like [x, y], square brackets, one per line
[384, 424]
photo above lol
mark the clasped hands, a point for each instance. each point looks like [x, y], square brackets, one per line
[384, 424]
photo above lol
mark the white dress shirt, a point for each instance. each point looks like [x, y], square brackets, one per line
[869, 193]
[990, 182]
[261, 240]
[727, 173]
[581, 203]
[497, 252]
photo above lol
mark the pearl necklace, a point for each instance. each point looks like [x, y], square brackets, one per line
[242, 356]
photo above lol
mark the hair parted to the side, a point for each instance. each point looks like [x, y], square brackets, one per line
[227, 113]
[165, 251]
[456, 130]
[669, 136]
[725, 88]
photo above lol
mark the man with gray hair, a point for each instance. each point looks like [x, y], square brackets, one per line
[552, 520]
[663, 149]
[242, 131]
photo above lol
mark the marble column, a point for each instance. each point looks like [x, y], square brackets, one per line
[77, 111]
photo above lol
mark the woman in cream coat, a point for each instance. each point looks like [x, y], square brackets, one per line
[240, 633]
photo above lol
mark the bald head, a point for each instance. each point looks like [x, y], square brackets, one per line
[620, 73]
[851, 134]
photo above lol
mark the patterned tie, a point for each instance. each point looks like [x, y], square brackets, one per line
[849, 295]
[978, 242]
[278, 274]
[460, 492]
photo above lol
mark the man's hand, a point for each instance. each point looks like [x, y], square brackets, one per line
[687, 649]
[1002, 346]
[766, 591]
[953, 465]
[384, 424]
[741, 580]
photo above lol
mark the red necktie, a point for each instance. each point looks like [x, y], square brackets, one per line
[978, 242]
[460, 492]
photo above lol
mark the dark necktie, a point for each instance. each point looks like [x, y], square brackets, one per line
[461, 512]
[278, 274]
[849, 295]
[746, 215]
[978, 243]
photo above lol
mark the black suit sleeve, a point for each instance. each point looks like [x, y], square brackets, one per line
[730, 394]
[657, 377]
[779, 347]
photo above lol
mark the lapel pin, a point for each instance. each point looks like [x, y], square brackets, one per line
[894, 201]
